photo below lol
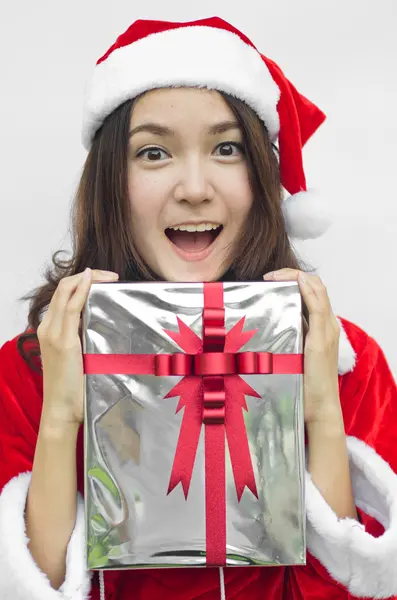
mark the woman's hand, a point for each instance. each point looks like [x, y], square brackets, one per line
[61, 351]
[327, 458]
[321, 391]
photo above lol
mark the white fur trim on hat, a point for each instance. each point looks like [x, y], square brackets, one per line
[21, 578]
[366, 565]
[305, 215]
[194, 56]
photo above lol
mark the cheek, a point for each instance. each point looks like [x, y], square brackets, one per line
[238, 194]
[144, 192]
[141, 185]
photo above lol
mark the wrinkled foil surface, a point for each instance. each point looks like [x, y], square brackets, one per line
[131, 432]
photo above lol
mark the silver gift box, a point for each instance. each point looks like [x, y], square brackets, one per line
[132, 430]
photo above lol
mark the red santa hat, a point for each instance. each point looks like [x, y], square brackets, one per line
[211, 53]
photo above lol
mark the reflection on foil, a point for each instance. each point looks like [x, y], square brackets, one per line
[119, 429]
[131, 433]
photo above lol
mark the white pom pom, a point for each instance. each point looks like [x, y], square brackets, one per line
[305, 215]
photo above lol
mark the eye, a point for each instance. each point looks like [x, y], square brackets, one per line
[229, 149]
[153, 154]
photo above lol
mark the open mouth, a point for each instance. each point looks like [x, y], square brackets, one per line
[192, 239]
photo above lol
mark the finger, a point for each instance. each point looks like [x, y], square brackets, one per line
[65, 291]
[72, 310]
[322, 322]
[308, 292]
[315, 291]
[54, 317]
[67, 285]
[282, 274]
[305, 328]
[322, 293]
[323, 303]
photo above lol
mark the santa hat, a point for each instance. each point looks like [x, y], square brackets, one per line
[213, 54]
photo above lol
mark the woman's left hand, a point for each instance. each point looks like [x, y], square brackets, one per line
[321, 348]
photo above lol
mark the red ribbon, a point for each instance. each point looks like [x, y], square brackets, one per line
[213, 393]
[241, 363]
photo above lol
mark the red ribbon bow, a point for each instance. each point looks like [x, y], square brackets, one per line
[211, 392]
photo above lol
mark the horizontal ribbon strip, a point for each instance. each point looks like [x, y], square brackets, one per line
[207, 363]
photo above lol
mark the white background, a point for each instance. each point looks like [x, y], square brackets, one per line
[341, 54]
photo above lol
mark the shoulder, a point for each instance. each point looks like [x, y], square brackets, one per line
[16, 376]
[10, 355]
[368, 390]
[10, 358]
[368, 382]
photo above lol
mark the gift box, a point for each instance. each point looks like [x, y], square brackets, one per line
[194, 433]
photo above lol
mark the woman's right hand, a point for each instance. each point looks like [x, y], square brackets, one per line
[61, 350]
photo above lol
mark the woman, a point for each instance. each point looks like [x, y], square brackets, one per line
[183, 183]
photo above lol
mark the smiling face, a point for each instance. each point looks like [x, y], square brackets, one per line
[188, 183]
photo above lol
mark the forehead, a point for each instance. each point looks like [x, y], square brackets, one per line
[181, 104]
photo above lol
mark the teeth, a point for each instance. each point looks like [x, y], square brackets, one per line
[199, 227]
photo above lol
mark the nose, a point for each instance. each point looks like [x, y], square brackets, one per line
[194, 186]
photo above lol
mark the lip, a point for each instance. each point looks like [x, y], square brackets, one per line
[200, 254]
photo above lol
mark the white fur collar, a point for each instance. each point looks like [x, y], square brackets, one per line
[347, 356]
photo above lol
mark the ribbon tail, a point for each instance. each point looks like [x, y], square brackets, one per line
[237, 439]
[189, 435]
[215, 495]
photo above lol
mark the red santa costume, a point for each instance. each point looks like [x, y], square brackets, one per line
[346, 558]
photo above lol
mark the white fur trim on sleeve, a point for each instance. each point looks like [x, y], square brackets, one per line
[21, 578]
[366, 565]
[347, 357]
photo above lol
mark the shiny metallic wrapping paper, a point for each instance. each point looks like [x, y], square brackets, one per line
[131, 433]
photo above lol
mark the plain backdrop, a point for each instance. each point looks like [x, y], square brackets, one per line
[341, 54]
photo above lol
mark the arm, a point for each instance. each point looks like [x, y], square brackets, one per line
[344, 475]
[20, 409]
[328, 461]
[328, 464]
[344, 553]
[51, 503]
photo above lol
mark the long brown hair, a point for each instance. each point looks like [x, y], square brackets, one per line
[100, 231]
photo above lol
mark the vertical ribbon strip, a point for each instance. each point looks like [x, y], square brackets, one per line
[214, 399]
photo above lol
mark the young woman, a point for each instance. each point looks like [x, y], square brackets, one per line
[191, 135]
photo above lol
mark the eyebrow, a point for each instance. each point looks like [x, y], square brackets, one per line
[162, 130]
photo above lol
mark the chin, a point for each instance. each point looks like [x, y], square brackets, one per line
[190, 278]
[192, 275]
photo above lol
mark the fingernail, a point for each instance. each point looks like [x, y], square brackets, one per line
[269, 275]
[302, 277]
[87, 273]
[108, 274]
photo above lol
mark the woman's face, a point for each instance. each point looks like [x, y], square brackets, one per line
[188, 183]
